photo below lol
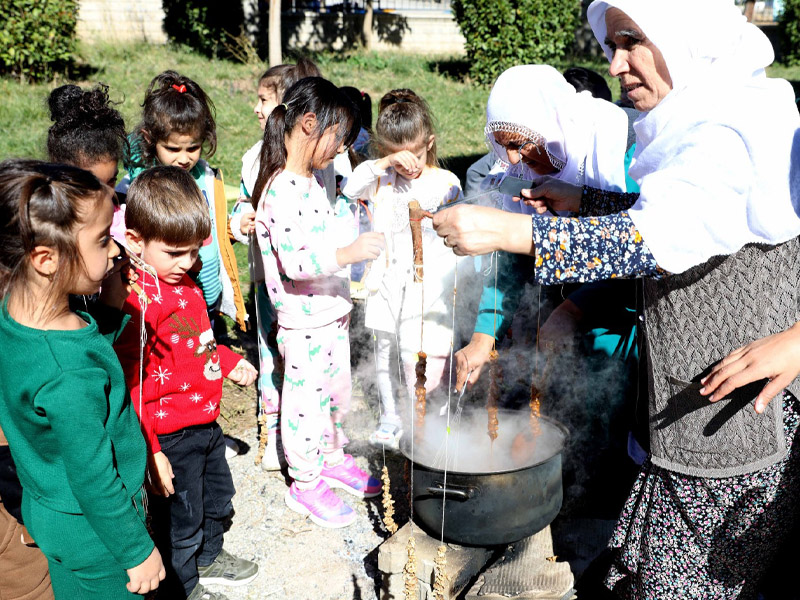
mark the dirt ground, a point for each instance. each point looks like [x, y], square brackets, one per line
[299, 559]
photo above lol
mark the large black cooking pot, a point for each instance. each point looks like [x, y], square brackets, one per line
[501, 498]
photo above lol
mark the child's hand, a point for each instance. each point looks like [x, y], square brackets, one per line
[367, 246]
[243, 373]
[161, 475]
[116, 286]
[247, 224]
[146, 576]
[404, 161]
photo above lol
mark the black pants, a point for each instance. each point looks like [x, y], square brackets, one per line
[188, 526]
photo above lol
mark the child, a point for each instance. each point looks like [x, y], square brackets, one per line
[89, 133]
[177, 127]
[405, 140]
[178, 399]
[304, 266]
[271, 87]
[64, 406]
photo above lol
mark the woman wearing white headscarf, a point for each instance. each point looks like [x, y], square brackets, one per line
[714, 232]
[538, 125]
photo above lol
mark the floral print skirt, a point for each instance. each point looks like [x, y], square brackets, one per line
[702, 538]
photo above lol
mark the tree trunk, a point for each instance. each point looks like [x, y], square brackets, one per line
[366, 30]
[274, 33]
[749, 9]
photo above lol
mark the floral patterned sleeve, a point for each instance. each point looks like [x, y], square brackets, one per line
[590, 249]
[597, 203]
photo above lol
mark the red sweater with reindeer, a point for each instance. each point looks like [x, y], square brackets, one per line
[183, 367]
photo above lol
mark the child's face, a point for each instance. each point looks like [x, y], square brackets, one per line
[105, 170]
[267, 101]
[171, 262]
[95, 246]
[420, 150]
[179, 150]
[326, 148]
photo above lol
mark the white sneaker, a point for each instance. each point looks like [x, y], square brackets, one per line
[231, 448]
[386, 435]
[273, 459]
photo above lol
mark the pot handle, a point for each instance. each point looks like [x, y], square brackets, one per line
[456, 493]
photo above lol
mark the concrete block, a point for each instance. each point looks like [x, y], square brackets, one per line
[463, 563]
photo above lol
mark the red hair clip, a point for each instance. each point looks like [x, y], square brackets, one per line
[181, 88]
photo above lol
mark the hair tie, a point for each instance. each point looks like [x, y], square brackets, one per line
[180, 88]
[362, 94]
[283, 104]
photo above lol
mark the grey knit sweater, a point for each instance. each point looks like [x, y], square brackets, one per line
[693, 320]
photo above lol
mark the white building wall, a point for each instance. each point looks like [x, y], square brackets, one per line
[121, 20]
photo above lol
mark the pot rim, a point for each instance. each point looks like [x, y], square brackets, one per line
[560, 426]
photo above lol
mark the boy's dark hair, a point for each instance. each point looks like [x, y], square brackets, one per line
[585, 79]
[175, 104]
[43, 204]
[165, 204]
[86, 128]
[404, 118]
[363, 102]
[280, 78]
[310, 95]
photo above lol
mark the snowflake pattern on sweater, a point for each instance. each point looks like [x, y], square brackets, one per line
[183, 366]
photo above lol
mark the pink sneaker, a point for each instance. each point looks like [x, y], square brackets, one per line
[348, 477]
[324, 507]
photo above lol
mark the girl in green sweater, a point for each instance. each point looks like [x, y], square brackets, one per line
[64, 406]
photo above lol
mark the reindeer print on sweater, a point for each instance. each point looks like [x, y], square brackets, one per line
[182, 366]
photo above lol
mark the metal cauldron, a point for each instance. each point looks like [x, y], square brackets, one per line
[510, 495]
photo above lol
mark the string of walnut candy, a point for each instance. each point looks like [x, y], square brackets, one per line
[415, 216]
[388, 503]
[495, 379]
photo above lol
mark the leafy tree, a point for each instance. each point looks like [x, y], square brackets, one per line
[502, 33]
[789, 27]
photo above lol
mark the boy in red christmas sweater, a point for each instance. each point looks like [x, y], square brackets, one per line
[177, 386]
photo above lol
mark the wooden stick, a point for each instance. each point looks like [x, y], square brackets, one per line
[415, 216]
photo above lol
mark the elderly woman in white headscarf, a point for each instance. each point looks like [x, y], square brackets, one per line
[538, 125]
[714, 234]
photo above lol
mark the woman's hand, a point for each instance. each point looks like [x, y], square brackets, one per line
[560, 330]
[367, 246]
[247, 224]
[554, 194]
[776, 357]
[406, 161]
[476, 230]
[160, 474]
[146, 576]
[471, 358]
[243, 373]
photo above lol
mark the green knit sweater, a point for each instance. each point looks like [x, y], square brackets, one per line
[71, 427]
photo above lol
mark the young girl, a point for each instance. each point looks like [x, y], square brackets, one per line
[305, 273]
[405, 140]
[89, 133]
[177, 127]
[271, 87]
[70, 424]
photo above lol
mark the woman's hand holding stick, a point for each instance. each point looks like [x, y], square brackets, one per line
[552, 193]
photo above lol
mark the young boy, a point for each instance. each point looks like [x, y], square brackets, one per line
[178, 400]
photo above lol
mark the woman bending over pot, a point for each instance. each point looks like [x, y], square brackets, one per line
[713, 233]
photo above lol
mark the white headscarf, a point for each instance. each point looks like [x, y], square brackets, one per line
[585, 137]
[712, 158]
